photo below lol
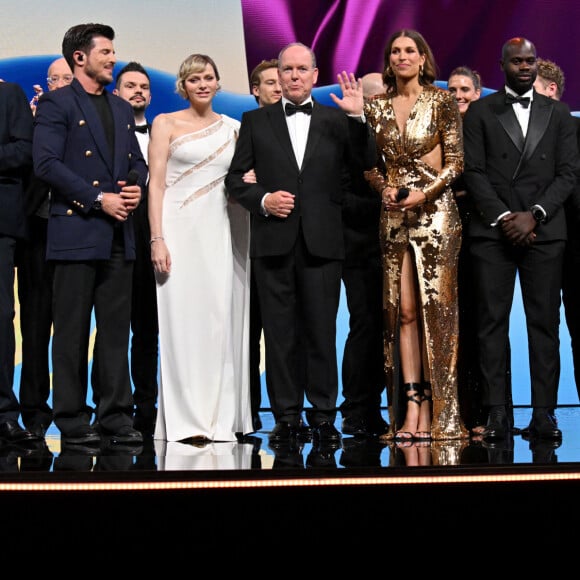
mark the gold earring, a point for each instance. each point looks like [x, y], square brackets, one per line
[389, 72]
[420, 70]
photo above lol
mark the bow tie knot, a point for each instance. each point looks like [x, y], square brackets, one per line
[523, 101]
[141, 128]
[291, 108]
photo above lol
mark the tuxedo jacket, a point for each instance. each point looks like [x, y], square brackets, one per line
[319, 185]
[503, 172]
[15, 157]
[72, 155]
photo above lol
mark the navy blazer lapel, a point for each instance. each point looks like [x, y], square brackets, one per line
[94, 123]
[122, 132]
[508, 120]
[280, 128]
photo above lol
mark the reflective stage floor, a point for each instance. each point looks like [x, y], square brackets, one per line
[254, 453]
[357, 499]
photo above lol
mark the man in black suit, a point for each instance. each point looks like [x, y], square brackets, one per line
[551, 82]
[35, 289]
[301, 152]
[266, 89]
[521, 158]
[15, 168]
[363, 376]
[134, 85]
[85, 147]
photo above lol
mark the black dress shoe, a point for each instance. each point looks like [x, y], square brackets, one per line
[377, 427]
[543, 426]
[83, 435]
[325, 432]
[355, 426]
[283, 432]
[497, 426]
[126, 435]
[12, 432]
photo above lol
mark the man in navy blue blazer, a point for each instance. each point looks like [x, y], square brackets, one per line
[85, 148]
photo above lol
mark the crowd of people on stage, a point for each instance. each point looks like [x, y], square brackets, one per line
[190, 236]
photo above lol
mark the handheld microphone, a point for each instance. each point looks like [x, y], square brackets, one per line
[402, 194]
[132, 177]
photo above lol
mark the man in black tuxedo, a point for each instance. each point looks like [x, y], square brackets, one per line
[363, 376]
[301, 152]
[85, 147]
[134, 85]
[521, 159]
[266, 89]
[551, 82]
[15, 168]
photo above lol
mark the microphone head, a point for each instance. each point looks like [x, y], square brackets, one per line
[132, 177]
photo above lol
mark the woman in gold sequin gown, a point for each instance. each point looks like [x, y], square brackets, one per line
[419, 141]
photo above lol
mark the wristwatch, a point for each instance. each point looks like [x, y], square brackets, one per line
[98, 204]
[539, 213]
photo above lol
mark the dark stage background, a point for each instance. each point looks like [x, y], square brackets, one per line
[351, 34]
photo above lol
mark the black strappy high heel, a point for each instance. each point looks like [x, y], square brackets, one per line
[414, 395]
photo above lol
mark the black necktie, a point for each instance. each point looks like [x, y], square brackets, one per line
[523, 101]
[141, 128]
[291, 108]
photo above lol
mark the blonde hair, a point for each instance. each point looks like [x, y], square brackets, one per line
[194, 63]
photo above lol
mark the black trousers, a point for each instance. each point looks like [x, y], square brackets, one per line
[104, 285]
[35, 278]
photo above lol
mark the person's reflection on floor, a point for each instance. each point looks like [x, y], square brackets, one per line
[118, 457]
[413, 454]
[287, 454]
[36, 458]
[29, 456]
[449, 452]
[256, 443]
[544, 450]
[323, 454]
[493, 452]
[359, 452]
[76, 458]
[146, 460]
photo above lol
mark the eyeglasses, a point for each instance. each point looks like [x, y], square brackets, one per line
[55, 79]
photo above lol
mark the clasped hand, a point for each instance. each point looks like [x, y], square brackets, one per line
[120, 205]
[416, 197]
[518, 228]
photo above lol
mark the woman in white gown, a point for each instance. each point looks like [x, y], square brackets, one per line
[199, 250]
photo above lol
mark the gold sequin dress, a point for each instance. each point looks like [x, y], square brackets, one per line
[433, 132]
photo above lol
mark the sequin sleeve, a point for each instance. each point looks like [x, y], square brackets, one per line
[451, 137]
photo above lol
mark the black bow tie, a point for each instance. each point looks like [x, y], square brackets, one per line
[523, 101]
[141, 128]
[305, 108]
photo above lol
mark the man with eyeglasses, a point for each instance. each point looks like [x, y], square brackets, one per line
[34, 275]
[59, 75]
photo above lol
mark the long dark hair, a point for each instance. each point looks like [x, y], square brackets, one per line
[429, 73]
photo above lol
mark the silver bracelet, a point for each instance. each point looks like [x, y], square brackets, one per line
[156, 238]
